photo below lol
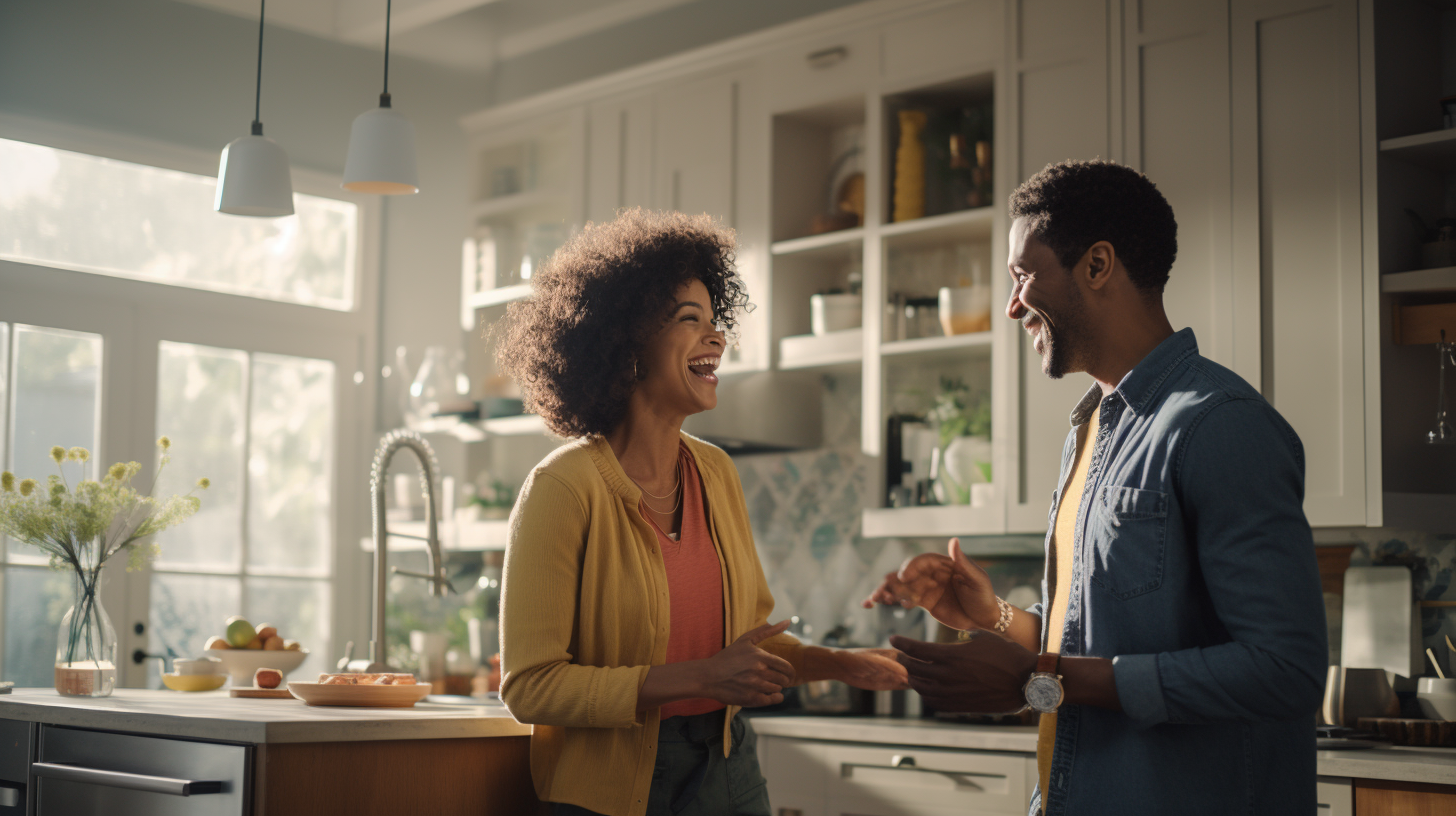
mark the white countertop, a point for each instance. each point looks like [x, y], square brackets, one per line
[216, 716]
[1395, 763]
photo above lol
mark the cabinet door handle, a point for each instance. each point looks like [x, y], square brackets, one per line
[904, 763]
[120, 779]
[828, 57]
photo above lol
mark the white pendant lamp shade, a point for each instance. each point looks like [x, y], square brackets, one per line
[253, 176]
[381, 157]
[253, 179]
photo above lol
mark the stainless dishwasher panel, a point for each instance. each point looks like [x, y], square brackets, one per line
[81, 773]
[17, 747]
[887, 780]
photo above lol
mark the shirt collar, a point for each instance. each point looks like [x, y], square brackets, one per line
[1141, 385]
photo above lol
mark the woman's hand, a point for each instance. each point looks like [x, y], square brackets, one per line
[745, 675]
[871, 669]
[951, 588]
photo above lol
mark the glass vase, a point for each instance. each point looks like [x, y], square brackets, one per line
[86, 644]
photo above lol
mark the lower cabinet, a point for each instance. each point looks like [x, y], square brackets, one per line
[1336, 796]
[812, 778]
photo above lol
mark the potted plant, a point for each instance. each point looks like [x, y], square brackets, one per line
[963, 420]
[81, 527]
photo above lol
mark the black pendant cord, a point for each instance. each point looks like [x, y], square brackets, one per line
[384, 97]
[258, 90]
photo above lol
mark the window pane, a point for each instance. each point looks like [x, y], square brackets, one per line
[81, 212]
[186, 611]
[200, 406]
[36, 598]
[290, 464]
[299, 609]
[56, 402]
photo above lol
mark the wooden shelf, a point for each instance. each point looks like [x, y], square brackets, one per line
[827, 244]
[810, 351]
[1420, 280]
[501, 296]
[937, 345]
[943, 521]
[974, 225]
[516, 202]
[1436, 150]
[480, 535]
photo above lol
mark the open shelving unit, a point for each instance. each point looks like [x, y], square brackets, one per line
[815, 149]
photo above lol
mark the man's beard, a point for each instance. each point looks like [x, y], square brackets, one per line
[1061, 352]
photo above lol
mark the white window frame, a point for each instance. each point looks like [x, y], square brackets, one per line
[134, 316]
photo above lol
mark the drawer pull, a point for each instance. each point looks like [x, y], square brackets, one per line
[907, 763]
[828, 57]
[120, 779]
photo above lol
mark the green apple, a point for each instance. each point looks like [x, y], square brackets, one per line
[239, 631]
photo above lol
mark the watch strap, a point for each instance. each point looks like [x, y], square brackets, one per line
[1047, 662]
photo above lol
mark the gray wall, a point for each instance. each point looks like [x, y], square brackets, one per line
[183, 75]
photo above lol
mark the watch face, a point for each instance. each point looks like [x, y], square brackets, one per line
[1043, 692]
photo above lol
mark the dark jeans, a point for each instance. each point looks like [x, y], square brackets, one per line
[692, 778]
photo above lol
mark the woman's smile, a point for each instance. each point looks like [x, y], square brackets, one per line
[703, 367]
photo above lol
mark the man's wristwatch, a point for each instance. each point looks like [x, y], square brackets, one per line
[1043, 692]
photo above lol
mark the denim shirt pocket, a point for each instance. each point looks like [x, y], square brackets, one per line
[1127, 534]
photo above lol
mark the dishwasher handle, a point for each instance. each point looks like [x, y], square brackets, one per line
[121, 779]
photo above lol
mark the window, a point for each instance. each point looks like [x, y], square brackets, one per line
[50, 381]
[261, 428]
[73, 211]
[261, 396]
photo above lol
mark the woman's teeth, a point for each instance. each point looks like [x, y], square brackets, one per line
[703, 368]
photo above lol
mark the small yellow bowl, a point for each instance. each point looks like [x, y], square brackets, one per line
[194, 682]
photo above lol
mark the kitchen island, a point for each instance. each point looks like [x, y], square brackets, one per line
[264, 757]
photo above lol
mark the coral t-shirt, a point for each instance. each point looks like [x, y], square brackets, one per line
[694, 585]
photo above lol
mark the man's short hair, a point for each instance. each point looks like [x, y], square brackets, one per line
[1071, 205]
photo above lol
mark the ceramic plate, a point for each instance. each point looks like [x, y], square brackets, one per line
[319, 694]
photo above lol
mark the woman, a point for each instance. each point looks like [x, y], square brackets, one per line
[633, 609]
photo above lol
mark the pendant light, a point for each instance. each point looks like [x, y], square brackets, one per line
[382, 144]
[253, 177]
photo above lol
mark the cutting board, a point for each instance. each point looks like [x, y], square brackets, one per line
[254, 691]
[1440, 733]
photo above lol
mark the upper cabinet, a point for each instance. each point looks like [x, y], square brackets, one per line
[864, 157]
[1298, 245]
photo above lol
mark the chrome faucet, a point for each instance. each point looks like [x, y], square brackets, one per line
[439, 584]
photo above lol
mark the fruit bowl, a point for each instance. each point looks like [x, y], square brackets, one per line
[193, 682]
[240, 664]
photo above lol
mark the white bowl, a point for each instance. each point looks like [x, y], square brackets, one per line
[1437, 697]
[241, 664]
[201, 665]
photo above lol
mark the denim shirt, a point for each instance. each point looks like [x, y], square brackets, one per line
[1195, 573]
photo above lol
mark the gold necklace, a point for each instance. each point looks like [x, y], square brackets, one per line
[675, 490]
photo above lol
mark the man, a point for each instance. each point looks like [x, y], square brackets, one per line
[1182, 632]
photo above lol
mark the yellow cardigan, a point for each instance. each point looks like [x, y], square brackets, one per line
[585, 614]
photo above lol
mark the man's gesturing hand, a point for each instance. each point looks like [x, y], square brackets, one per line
[953, 589]
[985, 674]
[746, 675]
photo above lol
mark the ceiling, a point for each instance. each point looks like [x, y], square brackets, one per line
[470, 35]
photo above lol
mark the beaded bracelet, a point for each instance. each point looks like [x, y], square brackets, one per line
[1002, 623]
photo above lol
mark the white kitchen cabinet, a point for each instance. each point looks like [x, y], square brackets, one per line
[812, 777]
[1335, 796]
[1297, 242]
[694, 149]
[1057, 102]
[1175, 98]
[619, 156]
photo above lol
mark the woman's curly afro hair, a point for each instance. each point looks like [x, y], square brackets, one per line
[1074, 204]
[576, 345]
